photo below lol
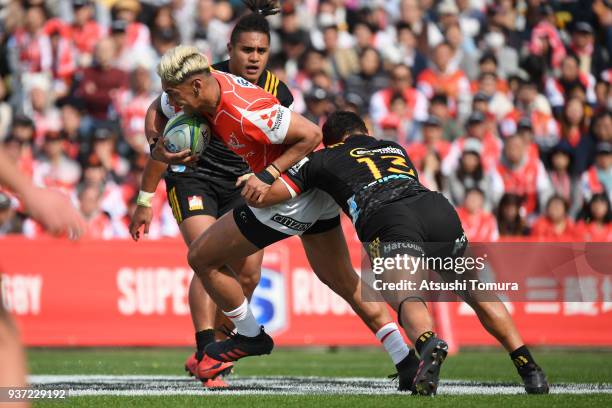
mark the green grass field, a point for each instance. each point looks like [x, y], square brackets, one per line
[487, 366]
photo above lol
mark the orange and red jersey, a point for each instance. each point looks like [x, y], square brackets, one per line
[137, 35]
[416, 102]
[132, 109]
[249, 120]
[489, 156]
[87, 36]
[30, 49]
[546, 130]
[418, 151]
[593, 232]
[82, 39]
[556, 92]
[452, 84]
[528, 180]
[545, 230]
[478, 227]
[501, 86]
[99, 227]
[38, 54]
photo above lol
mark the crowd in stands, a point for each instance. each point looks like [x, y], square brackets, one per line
[504, 106]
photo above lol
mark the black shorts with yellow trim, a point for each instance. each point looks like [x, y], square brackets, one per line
[190, 195]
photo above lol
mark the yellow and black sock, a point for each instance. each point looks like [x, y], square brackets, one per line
[422, 340]
[521, 357]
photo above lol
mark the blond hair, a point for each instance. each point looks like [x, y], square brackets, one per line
[180, 62]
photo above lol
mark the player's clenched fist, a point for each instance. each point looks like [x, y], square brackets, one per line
[257, 185]
[254, 189]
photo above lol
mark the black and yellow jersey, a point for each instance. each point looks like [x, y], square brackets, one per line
[218, 160]
[362, 174]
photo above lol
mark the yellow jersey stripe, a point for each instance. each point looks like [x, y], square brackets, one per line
[273, 80]
[273, 83]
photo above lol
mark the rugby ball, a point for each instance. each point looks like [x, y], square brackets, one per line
[187, 132]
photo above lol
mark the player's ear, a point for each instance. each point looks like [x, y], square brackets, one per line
[196, 86]
[229, 47]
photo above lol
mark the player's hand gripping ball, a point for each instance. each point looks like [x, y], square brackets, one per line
[187, 132]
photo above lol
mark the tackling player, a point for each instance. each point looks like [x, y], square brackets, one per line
[270, 138]
[377, 186]
[200, 194]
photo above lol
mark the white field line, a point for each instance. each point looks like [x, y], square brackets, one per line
[156, 385]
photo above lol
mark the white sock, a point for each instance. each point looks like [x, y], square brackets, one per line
[392, 340]
[243, 319]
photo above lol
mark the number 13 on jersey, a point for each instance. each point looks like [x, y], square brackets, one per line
[401, 167]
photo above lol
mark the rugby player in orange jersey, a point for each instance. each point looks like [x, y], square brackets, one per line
[201, 193]
[270, 138]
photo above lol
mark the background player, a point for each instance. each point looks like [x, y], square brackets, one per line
[55, 212]
[211, 182]
[270, 138]
[377, 186]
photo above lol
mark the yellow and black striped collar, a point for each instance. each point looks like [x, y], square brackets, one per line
[270, 84]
